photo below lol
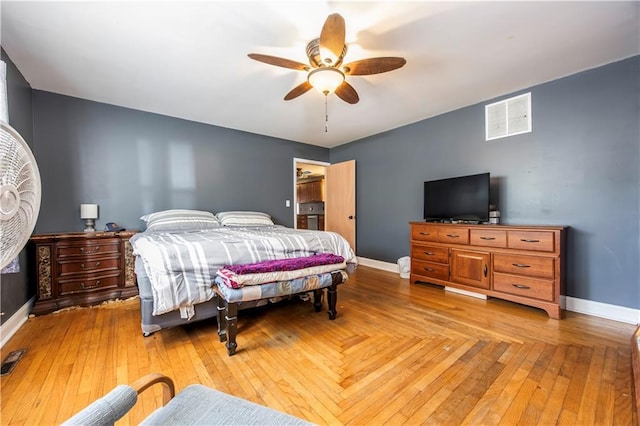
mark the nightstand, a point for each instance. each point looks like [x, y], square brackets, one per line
[81, 268]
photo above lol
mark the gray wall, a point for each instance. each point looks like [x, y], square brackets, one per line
[131, 163]
[14, 289]
[579, 167]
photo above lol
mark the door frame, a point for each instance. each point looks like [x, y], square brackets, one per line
[297, 161]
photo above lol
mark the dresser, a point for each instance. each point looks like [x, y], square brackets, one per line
[81, 268]
[523, 264]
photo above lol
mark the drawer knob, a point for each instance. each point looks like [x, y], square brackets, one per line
[425, 233]
[521, 265]
[521, 286]
[92, 267]
[87, 287]
[453, 235]
[428, 253]
[487, 238]
[93, 250]
[524, 240]
[429, 269]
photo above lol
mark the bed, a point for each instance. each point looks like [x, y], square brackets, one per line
[178, 256]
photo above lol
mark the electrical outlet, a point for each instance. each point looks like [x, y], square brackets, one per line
[287, 203]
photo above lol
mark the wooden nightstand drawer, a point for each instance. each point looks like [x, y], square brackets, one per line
[90, 247]
[95, 264]
[430, 269]
[533, 266]
[523, 286]
[430, 253]
[488, 238]
[81, 268]
[531, 240]
[89, 283]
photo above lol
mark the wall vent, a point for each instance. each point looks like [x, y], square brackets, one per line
[508, 117]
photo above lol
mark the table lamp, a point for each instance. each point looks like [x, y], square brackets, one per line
[89, 213]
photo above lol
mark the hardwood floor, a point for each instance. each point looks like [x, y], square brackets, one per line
[396, 354]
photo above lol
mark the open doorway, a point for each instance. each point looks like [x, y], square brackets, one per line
[309, 182]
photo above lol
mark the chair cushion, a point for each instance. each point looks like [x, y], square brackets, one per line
[200, 405]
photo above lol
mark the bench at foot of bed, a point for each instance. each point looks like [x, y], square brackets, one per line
[229, 299]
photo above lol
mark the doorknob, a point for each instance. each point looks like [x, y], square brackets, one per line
[352, 217]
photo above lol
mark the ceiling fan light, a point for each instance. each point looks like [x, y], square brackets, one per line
[325, 79]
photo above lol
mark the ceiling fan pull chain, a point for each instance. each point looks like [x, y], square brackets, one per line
[326, 114]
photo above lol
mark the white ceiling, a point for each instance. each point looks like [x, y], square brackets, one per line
[189, 59]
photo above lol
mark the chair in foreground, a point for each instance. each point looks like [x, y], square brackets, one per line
[194, 405]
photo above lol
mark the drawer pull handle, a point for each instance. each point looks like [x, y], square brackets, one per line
[95, 249]
[429, 269]
[485, 270]
[425, 233]
[487, 238]
[87, 287]
[453, 235]
[524, 240]
[428, 253]
[521, 287]
[521, 265]
[93, 267]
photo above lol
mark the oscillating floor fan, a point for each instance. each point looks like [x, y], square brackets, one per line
[20, 191]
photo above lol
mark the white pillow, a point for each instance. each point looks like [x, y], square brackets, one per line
[244, 218]
[180, 220]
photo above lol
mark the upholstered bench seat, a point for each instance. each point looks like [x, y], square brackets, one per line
[229, 299]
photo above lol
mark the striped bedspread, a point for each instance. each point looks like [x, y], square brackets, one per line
[182, 266]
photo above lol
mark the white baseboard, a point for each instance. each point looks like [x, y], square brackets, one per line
[582, 306]
[602, 310]
[13, 324]
[466, 293]
[378, 264]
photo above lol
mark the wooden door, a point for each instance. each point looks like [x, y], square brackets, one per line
[340, 204]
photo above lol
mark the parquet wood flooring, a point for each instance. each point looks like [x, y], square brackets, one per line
[396, 354]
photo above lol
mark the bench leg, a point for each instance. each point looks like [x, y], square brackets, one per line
[332, 298]
[317, 300]
[222, 322]
[231, 317]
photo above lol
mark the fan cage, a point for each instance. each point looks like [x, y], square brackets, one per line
[20, 193]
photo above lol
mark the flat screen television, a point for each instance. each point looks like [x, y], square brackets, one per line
[462, 198]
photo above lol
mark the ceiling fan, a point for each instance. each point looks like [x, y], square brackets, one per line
[326, 71]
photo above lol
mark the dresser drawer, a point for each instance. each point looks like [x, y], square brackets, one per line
[531, 240]
[430, 269]
[95, 264]
[430, 253]
[524, 286]
[453, 235]
[89, 283]
[532, 266]
[424, 233]
[488, 238]
[90, 247]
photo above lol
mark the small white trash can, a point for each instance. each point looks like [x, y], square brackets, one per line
[404, 266]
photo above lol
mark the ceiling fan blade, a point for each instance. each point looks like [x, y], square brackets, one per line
[279, 62]
[300, 89]
[332, 39]
[373, 65]
[347, 93]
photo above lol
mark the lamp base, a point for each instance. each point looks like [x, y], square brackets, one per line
[89, 225]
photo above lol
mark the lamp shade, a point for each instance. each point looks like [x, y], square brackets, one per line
[88, 211]
[325, 79]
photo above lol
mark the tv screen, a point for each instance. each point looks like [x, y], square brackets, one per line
[464, 198]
